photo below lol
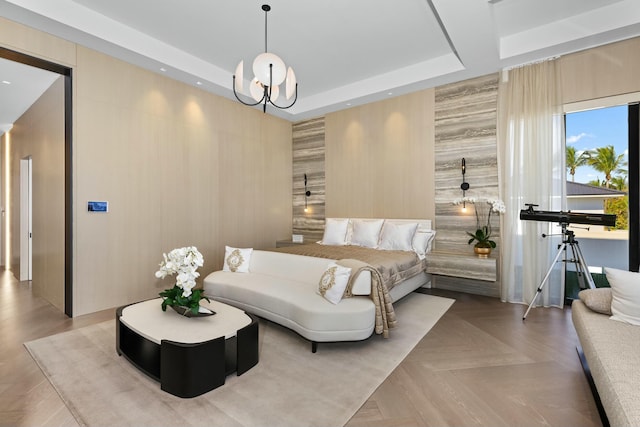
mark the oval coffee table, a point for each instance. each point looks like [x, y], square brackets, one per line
[188, 356]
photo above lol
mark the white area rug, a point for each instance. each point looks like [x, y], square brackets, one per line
[290, 386]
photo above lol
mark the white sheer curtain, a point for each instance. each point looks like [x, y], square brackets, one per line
[531, 161]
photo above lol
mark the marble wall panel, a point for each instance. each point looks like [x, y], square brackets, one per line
[465, 126]
[308, 158]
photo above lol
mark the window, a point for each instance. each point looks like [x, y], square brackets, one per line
[602, 177]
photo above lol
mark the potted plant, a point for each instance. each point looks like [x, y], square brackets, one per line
[183, 298]
[483, 209]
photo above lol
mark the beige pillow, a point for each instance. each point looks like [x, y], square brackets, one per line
[598, 300]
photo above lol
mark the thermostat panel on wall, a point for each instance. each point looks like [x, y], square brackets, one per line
[98, 206]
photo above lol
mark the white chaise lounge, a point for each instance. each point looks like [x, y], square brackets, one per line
[283, 288]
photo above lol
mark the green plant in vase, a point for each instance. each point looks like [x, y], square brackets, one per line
[483, 209]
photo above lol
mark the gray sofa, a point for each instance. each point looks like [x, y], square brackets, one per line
[612, 350]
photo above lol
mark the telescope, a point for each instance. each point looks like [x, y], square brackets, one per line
[568, 240]
[567, 218]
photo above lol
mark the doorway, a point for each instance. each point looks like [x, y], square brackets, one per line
[66, 73]
[26, 219]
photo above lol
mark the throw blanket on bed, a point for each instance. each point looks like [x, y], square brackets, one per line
[387, 268]
[393, 266]
[385, 315]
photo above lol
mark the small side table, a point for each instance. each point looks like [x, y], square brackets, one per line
[289, 242]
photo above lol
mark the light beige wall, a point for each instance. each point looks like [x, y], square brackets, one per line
[178, 167]
[39, 133]
[380, 159]
[601, 72]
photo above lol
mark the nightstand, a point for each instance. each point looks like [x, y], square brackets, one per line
[288, 242]
[465, 265]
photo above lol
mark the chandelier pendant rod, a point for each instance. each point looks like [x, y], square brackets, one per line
[266, 9]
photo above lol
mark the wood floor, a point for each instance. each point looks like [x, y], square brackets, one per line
[480, 365]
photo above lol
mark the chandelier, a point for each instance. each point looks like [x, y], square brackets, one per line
[269, 71]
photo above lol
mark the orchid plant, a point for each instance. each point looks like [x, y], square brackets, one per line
[183, 262]
[483, 208]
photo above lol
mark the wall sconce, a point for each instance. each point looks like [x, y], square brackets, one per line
[465, 185]
[307, 193]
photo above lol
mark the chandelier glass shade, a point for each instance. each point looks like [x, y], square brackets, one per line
[270, 72]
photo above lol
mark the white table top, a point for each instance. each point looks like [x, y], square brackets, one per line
[148, 320]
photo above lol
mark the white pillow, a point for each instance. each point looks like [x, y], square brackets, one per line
[625, 295]
[335, 231]
[397, 237]
[422, 242]
[333, 282]
[236, 260]
[366, 232]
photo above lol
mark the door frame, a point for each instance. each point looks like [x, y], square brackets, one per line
[67, 73]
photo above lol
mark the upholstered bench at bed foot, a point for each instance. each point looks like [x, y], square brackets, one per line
[294, 304]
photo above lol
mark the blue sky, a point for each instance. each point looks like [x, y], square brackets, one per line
[587, 130]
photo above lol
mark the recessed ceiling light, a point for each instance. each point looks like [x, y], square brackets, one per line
[163, 69]
[390, 93]
[199, 83]
[348, 104]
[6, 82]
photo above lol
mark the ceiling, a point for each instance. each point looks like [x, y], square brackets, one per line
[344, 52]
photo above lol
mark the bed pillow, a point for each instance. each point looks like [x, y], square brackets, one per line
[334, 282]
[422, 242]
[397, 237]
[598, 300]
[625, 295]
[236, 260]
[335, 231]
[366, 232]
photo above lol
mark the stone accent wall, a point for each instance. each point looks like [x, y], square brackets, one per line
[308, 157]
[465, 126]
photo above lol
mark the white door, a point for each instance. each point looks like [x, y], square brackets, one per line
[25, 218]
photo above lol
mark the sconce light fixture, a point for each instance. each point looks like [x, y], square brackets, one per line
[307, 193]
[465, 185]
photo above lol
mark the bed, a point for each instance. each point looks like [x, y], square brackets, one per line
[385, 260]
[396, 248]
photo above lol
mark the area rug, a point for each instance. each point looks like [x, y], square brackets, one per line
[290, 386]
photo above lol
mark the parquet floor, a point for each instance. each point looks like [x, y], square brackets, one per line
[480, 365]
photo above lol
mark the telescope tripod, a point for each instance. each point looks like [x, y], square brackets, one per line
[582, 270]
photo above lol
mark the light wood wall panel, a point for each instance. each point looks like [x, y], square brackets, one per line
[600, 72]
[39, 134]
[308, 158]
[179, 167]
[255, 181]
[379, 159]
[24, 39]
[465, 126]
